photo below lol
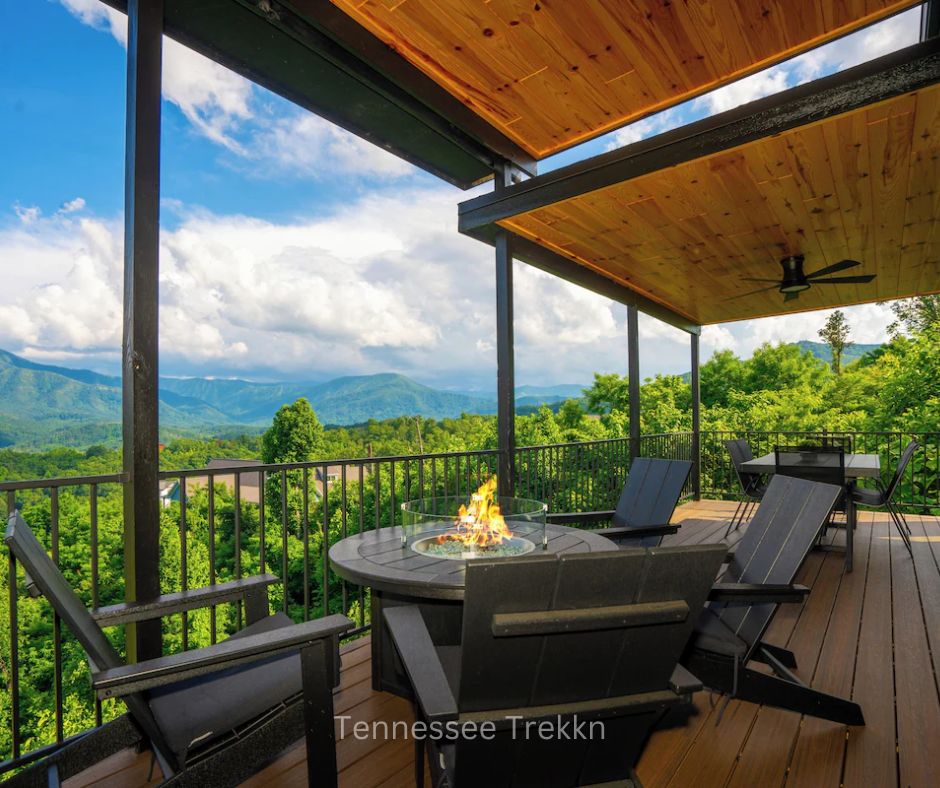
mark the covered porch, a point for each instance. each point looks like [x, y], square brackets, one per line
[699, 225]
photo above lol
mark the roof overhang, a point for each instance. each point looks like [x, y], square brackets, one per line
[314, 55]
[550, 74]
[844, 167]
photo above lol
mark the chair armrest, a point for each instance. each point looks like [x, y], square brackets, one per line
[757, 592]
[168, 604]
[636, 533]
[416, 649]
[563, 518]
[125, 679]
[682, 682]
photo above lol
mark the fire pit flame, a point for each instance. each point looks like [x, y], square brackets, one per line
[481, 524]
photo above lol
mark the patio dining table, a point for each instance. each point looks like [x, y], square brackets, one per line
[857, 466]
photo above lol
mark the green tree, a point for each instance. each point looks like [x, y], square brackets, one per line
[836, 334]
[913, 315]
[295, 435]
[723, 373]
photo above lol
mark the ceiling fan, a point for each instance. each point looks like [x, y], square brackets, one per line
[794, 281]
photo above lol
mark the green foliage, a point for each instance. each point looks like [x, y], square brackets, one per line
[295, 435]
[914, 315]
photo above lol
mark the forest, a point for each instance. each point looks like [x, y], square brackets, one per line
[895, 389]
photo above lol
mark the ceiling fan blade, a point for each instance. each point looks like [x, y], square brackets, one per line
[774, 286]
[753, 279]
[834, 268]
[790, 297]
[845, 280]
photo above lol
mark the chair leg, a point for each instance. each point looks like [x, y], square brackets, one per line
[319, 723]
[900, 524]
[717, 673]
[734, 517]
[419, 762]
[748, 511]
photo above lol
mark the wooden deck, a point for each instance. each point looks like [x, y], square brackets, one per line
[873, 635]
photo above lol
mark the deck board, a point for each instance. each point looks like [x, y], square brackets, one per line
[873, 635]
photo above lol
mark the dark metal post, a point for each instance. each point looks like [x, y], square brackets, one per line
[140, 345]
[930, 20]
[633, 377]
[696, 422]
[505, 366]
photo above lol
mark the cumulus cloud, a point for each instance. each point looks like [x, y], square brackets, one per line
[229, 110]
[384, 283]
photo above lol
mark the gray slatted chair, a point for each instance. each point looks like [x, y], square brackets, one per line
[589, 636]
[882, 497]
[211, 715]
[645, 507]
[752, 484]
[758, 577]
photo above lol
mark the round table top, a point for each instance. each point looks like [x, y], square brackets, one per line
[377, 559]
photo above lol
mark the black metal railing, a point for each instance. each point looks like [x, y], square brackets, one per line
[226, 523]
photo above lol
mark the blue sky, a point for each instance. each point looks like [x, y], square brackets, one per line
[275, 224]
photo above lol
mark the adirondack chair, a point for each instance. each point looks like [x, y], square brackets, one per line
[211, 715]
[645, 507]
[758, 577]
[557, 639]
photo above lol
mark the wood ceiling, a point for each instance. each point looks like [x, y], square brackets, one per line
[863, 185]
[552, 73]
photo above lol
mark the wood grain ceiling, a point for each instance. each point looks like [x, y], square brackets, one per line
[863, 185]
[552, 73]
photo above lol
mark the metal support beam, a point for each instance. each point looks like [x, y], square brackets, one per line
[633, 378]
[696, 421]
[505, 366]
[140, 344]
[930, 20]
[894, 74]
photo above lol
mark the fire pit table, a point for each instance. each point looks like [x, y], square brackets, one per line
[424, 563]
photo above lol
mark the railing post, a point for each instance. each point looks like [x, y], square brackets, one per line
[930, 20]
[696, 421]
[505, 362]
[140, 346]
[633, 378]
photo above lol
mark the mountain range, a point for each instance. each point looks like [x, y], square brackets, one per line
[43, 405]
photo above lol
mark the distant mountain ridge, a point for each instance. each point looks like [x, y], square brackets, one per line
[41, 404]
[822, 351]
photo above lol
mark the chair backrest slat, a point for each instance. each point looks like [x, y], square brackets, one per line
[740, 452]
[777, 541]
[903, 462]
[651, 493]
[70, 608]
[618, 628]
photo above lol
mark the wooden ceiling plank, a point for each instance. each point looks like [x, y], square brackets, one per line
[672, 52]
[889, 157]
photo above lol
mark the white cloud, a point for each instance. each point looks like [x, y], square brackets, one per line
[306, 144]
[225, 107]
[71, 206]
[648, 127]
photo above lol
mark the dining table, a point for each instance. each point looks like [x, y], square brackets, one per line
[857, 466]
